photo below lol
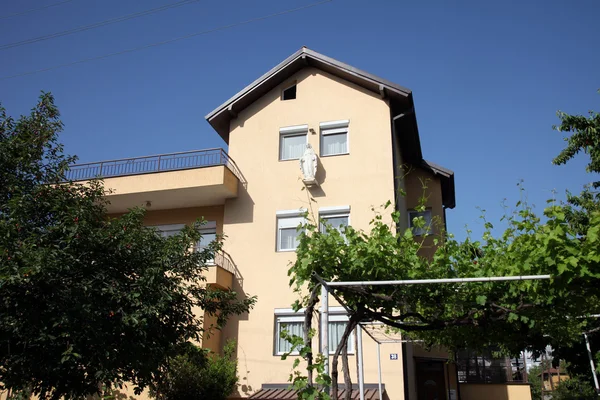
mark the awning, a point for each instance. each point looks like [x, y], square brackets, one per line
[288, 394]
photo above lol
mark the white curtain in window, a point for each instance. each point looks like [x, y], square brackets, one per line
[336, 222]
[336, 331]
[334, 144]
[287, 232]
[292, 146]
[288, 239]
[292, 328]
[427, 229]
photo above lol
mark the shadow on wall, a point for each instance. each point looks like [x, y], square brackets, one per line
[243, 206]
[231, 331]
[320, 176]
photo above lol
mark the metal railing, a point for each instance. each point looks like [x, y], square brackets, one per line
[152, 164]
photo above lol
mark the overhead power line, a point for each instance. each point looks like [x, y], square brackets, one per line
[134, 49]
[97, 24]
[34, 9]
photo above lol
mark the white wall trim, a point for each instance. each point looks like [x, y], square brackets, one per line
[291, 213]
[293, 129]
[343, 123]
[290, 311]
[334, 210]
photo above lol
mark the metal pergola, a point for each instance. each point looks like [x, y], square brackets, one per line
[326, 289]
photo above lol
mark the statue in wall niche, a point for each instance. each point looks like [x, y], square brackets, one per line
[308, 165]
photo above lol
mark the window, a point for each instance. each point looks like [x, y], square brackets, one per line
[289, 93]
[209, 235]
[334, 218]
[293, 325]
[292, 142]
[427, 229]
[334, 138]
[475, 367]
[168, 230]
[287, 230]
[337, 326]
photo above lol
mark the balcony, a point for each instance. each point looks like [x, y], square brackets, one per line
[165, 181]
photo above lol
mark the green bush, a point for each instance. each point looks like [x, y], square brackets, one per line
[575, 388]
[196, 374]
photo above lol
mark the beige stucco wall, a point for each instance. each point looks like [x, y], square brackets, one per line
[474, 391]
[362, 179]
[172, 189]
[420, 183]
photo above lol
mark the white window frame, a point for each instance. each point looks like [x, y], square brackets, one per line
[282, 319]
[291, 131]
[283, 315]
[333, 128]
[427, 230]
[333, 212]
[292, 219]
[342, 318]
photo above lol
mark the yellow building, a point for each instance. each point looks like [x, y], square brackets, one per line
[363, 130]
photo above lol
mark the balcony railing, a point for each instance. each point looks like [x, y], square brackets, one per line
[152, 164]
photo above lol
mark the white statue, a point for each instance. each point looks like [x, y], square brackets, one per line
[308, 165]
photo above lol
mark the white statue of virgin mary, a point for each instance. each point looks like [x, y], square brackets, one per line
[308, 165]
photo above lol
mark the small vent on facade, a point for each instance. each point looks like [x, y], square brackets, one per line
[289, 93]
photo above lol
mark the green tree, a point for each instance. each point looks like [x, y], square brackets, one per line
[583, 136]
[194, 373]
[535, 381]
[562, 242]
[575, 388]
[87, 301]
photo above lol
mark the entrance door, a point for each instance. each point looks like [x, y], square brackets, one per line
[431, 382]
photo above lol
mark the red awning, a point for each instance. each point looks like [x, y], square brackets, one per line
[288, 394]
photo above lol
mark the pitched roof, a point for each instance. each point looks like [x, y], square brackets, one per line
[446, 179]
[219, 118]
[400, 100]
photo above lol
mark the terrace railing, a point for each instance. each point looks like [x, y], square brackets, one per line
[151, 164]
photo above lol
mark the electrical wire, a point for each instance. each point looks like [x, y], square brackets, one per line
[34, 9]
[96, 25]
[134, 49]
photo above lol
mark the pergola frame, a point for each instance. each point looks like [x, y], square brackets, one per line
[326, 289]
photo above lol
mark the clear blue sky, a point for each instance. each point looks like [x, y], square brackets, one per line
[487, 77]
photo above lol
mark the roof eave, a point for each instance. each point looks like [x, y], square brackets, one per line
[219, 118]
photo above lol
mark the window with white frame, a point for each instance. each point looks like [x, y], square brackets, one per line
[337, 326]
[292, 142]
[420, 231]
[334, 218]
[334, 138]
[292, 323]
[287, 229]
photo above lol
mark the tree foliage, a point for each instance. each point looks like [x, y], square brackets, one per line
[87, 300]
[562, 242]
[195, 373]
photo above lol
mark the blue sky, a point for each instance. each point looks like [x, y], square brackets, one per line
[487, 77]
